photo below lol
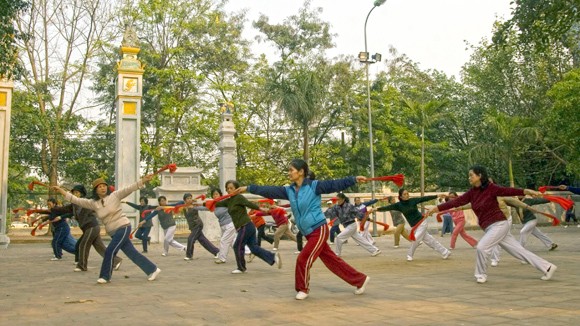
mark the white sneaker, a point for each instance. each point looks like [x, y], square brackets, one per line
[523, 262]
[481, 279]
[55, 259]
[78, 270]
[446, 255]
[186, 258]
[237, 271]
[409, 258]
[278, 260]
[219, 261]
[396, 247]
[250, 258]
[118, 265]
[301, 295]
[549, 273]
[361, 290]
[102, 281]
[275, 249]
[494, 263]
[376, 253]
[164, 254]
[153, 275]
[578, 225]
[296, 252]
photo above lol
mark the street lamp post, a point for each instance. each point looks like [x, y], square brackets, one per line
[364, 58]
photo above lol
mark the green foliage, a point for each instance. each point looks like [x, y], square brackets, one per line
[10, 11]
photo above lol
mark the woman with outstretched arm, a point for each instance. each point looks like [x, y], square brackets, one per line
[483, 198]
[304, 195]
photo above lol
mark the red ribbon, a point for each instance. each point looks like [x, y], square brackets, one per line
[35, 182]
[543, 189]
[564, 202]
[171, 167]
[412, 233]
[398, 179]
[133, 232]
[210, 203]
[266, 200]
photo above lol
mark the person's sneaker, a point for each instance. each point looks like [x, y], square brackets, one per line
[565, 226]
[494, 263]
[144, 251]
[278, 260]
[554, 246]
[237, 271]
[301, 295]
[376, 253]
[578, 225]
[446, 255]
[361, 290]
[164, 254]
[215, 257]
[219, 261]
[102, 281]
[251, 257]
[55, 259]
[187, 258]
[78, 269]
[275, 249]
[118, 265]
[296, 252]
[153, 275]
[409, 258]
[395, 247]
[523, 262]
[481, 279]
[549, 273]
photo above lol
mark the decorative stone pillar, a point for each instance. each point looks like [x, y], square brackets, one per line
[129, 91]
[227, 145]
[5, 108]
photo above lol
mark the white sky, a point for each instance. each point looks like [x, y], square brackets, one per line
[430, 32]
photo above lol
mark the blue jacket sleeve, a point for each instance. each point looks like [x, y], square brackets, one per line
[574, 190]
[274, 192]
[330, 186]
[370, 202]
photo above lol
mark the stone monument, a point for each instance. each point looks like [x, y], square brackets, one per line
[129, 91]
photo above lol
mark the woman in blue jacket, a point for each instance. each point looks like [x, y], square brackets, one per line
[304, 195]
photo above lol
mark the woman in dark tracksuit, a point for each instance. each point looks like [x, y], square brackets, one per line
[196, 227]
[61, 237]
[246, 231]
[143, 231]
[304, 195]
[91, 232]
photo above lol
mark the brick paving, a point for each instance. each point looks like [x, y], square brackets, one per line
[427, 291]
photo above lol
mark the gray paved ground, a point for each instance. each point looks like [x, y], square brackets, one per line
[427, 291]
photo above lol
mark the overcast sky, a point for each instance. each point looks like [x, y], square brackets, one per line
[430, 32]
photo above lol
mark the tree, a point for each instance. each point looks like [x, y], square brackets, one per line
[65, 39]
[424, 115]
[10, 11]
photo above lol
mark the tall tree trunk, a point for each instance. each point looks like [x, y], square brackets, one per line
[511, 172]
[306, 154]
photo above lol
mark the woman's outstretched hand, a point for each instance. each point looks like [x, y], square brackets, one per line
[240, 190]
[361, 179]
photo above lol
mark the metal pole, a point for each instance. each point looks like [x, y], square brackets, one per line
[372, 157]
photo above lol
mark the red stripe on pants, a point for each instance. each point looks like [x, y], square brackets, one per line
[316, 246]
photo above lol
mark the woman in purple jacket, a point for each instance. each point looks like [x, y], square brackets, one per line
[483, 198]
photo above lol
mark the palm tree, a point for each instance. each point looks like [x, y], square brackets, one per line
[424, 115]
[300, 96]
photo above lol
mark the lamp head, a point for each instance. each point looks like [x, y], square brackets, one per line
[377, 57]
[363, 56]
[379, 2]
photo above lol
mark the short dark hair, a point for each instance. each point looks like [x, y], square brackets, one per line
[218, 190]
[481, 171]
[161, 197]
[341, 195]
[234, 182]
[143, 198]
[187, 194]
[401, 191]
[51, 200]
